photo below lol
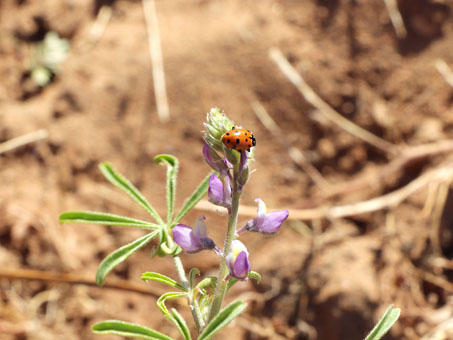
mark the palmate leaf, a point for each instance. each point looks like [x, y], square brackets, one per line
[163, 279]
[128, 330]
[196, 196]
[387, 320]
[222, 319]
[123, 183]
[121, 254]
[181, 324]
[172, 174]
[93, 217]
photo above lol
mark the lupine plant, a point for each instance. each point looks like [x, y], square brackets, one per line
[230, 172]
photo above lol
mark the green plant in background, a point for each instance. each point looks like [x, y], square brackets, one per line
[384, 324]
[47, 56]
[224, 185]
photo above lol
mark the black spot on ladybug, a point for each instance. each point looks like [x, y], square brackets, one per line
[228, 141]
[237, 141]
[246, 138]
[227, 133]
[246, 133]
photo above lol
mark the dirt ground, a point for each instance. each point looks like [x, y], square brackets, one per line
[326, 276]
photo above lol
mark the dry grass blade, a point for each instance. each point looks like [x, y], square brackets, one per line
[152, 26]
[445, 71]
[28, 138]
[296, 155]
[99, 26]
[296, 79]
[396, 18]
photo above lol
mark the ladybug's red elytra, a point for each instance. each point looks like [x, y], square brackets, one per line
[238, 139]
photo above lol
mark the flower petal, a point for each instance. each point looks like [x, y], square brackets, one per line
[215, 192]
[241, 266]
[237, 261]
[200, 228]
[272, 221]
[261, 207]
[185, 238]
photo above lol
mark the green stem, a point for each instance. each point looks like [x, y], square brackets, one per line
[194, 308]
[223, 271]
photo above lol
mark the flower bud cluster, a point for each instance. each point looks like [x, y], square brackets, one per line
[233, 172]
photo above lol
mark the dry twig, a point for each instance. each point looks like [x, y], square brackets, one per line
[445, 71]
[28, 138]
[390, 200]
[29, 274]
[296, 79]
[408, 155]
[152, 26]
[396, 18]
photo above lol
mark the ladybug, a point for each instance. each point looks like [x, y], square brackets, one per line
[239, 139]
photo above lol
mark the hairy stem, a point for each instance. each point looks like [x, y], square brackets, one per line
[223, 272]
[194, 308]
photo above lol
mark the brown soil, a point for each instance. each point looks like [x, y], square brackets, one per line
[321, 279]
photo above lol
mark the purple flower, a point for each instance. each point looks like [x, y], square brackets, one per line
[214, 160]
[265, 223]
[238, 261]
[219, 192]
[193, 240]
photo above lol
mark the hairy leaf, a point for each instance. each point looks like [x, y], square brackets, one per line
[192, 274]
[196, 196]
[104, 218]
[222, 319]
[387, 320]
[121, 254]
[163, 279]
[181, 324]
[129, 330]
[166, 296]
[172, 173]
[121, 182]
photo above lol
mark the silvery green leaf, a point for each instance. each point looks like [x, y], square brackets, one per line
[163, 279]
[172, 172]
[129, 330]
[384, 324]
[181, 324]
[192, 274]
[254, 275]
[196, 196]
[222, 319]
[120, 255]
[166, 296]
[93, 217]
[123, 183]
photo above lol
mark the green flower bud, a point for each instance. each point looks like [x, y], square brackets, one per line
[233, 156]
[217, 123]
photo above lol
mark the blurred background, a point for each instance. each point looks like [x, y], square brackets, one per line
[351, 103]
